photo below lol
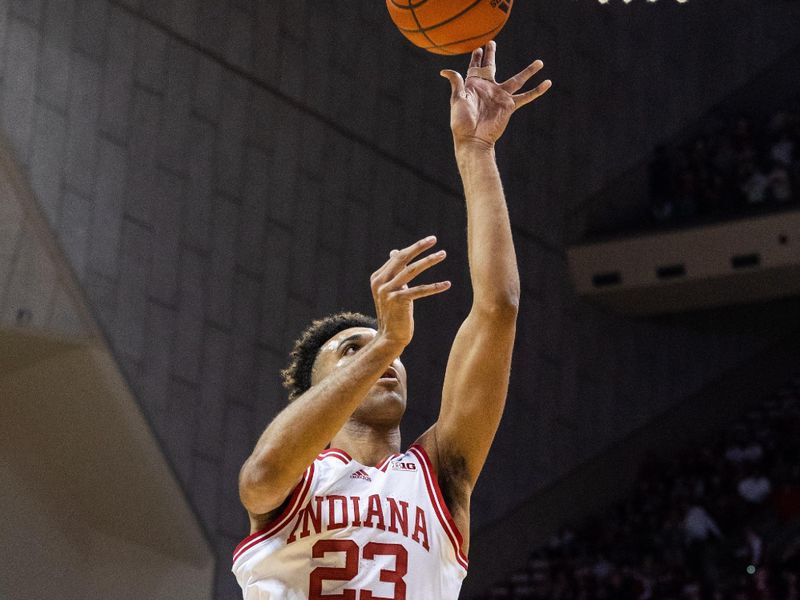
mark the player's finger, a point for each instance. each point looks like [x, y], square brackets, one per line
[385, 272]
[456, 84]
[415, 268]
[409, 253]
[398, 259]
[488, 54]
[516, 82]
[389, 261]
[475, 59]
[428, 289]
[523, 99]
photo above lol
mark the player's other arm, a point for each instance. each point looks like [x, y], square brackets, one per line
[305, 427]
[302, 430]
[476, 379]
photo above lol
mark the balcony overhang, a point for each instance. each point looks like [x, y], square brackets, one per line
[736, 262]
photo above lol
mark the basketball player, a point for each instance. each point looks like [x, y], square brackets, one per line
[363, 519]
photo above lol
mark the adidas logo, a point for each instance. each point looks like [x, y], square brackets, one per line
[361, 474]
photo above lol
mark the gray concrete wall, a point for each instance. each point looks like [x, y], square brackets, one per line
[220, 172]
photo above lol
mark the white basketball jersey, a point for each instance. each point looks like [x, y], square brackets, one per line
[352, 532]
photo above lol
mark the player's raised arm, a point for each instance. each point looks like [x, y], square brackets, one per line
[476, 380]
[302, 430]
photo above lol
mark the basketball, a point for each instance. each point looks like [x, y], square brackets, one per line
[449, 26]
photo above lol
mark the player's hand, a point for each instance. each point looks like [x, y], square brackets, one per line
[480, 107]
[394, 299]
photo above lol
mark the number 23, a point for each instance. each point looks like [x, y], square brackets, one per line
[350, 569]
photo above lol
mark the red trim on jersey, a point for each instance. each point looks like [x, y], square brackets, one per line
[381, 466]
[335, 453]
[274, 526]
[440, 508]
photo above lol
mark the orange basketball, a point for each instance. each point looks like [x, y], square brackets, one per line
[449, 26]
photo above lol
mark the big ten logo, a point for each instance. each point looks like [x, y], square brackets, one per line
[503, 5]
[403, 466]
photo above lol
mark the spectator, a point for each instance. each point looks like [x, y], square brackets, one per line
[748, 163]
[735, 450]
[698, 525]
[779, 184]
[753, 451]
[662, 542]
[749, 550]
[782, 151]
[754, 183]
[755, 487]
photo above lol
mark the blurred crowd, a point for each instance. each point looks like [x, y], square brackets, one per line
[732, 167]
[721, 521]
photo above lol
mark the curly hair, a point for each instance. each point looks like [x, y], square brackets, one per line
[297, 375]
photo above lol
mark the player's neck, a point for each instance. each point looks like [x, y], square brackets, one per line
[367, 444]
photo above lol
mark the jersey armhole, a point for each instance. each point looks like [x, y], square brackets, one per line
[439, 506]
[296, 499]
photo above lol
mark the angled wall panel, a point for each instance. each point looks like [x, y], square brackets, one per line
[88, 497]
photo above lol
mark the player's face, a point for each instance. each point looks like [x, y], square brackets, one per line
[386, 400]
